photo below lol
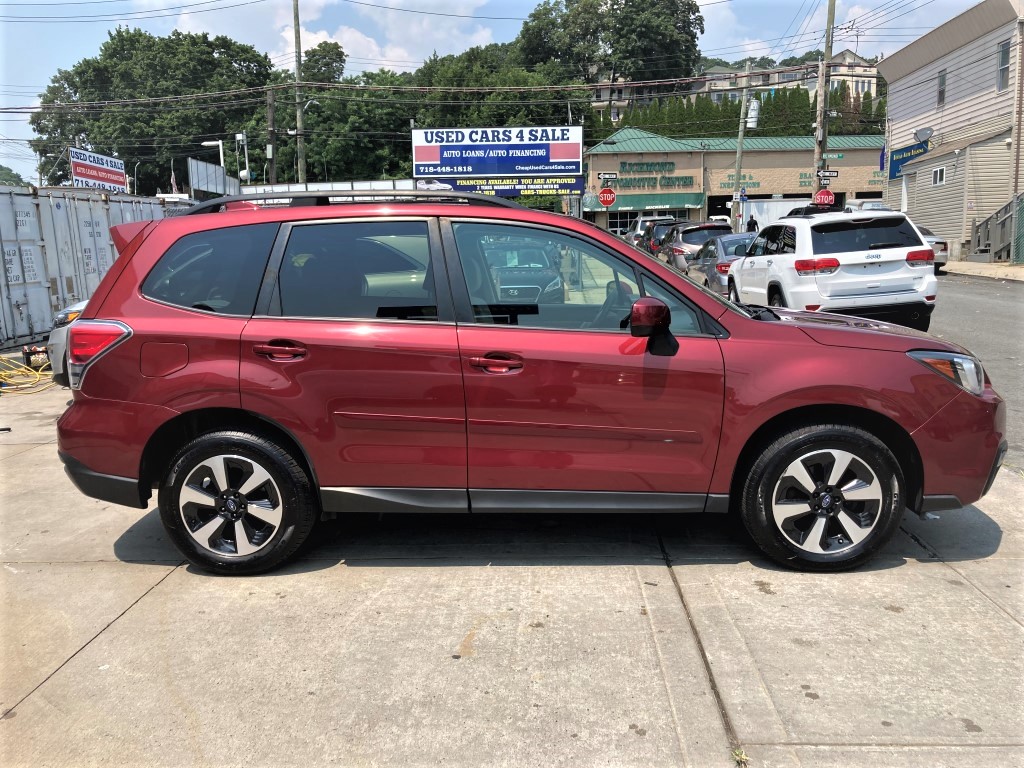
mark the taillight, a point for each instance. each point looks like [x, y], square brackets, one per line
[723, 269]
[677, 251]
[921, 258]
[816, 266]
[812, 307]
[88, 340]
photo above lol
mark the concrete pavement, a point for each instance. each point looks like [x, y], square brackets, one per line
[995, 271]
[497, 640]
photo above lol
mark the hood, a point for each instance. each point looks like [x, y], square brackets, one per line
[863, 333]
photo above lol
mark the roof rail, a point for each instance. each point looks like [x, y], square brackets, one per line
[336, 196]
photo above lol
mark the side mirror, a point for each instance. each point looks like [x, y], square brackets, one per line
[649, 317]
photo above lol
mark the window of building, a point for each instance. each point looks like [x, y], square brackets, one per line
[1003, 63]
[938, 177]
[940, 98]
[716, 97]
[765, 79]
[615, 114]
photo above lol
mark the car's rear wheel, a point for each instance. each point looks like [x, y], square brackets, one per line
[236, 503]
[776, 299]
[823, 498]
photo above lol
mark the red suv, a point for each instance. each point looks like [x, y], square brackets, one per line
[266, 366]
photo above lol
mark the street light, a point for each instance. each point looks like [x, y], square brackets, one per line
[135, 179]
[216, 143]
[245, 143]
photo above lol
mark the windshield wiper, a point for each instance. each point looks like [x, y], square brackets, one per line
[760, 313]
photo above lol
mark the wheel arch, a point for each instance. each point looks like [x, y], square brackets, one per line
[175, 433]
[776, 287]
[895, 438]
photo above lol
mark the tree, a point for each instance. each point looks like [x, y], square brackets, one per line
[132, 65]
[654, 39]
[324, 64]
[9, 178]
[808, 58]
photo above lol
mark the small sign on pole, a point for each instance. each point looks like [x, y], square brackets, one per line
[828, 174]
[607, 175]
[606, 197]
[824, 197]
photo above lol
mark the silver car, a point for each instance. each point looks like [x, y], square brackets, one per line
[710, 265]
[938, 245]
[57, 345]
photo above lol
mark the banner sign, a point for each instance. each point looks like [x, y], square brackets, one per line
[904, 155]
[97, 171]
[207, 177]
[478, 152]
[508, 186]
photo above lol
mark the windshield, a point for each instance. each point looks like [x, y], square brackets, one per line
[659, 230]
[862, 235]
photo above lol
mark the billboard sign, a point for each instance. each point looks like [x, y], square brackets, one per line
[488, 152]
[904, 155]
[207, 177]
[97, 171]
[505, 186]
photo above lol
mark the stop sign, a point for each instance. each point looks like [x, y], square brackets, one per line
[824, 197]
[606, 196]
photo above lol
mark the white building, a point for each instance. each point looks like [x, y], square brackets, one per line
[952, 139]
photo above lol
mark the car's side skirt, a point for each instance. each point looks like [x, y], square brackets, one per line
[346, 500]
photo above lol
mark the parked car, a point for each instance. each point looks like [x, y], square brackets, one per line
[682, 242]
[525, 269]
[57, 344]
[875, 266]
[639, 225]
[650, 241]
[855, 206]
[938, 245]
[710, 265]
[257, 371]
[432, 185]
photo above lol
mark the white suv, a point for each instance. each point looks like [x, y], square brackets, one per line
[871, 264]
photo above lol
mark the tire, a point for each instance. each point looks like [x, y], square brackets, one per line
[776, 299]
[938, 269]
[227, 485]
[734, 296]
[803, 515]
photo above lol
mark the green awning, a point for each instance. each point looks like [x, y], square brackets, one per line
[652, 202]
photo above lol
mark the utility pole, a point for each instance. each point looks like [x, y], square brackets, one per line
[736, 205]
[824, 87]
[271, 135]
[300, 145]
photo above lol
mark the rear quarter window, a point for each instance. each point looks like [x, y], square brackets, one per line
[219, 270]
[869, 235]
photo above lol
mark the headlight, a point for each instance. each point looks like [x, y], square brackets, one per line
[963, 370]
[554, 285]
[65, 317]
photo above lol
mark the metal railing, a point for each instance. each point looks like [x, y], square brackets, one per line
[1000, 237]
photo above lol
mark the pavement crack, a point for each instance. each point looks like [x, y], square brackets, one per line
[730, 730]
[8, 712]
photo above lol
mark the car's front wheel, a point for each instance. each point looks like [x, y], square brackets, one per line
[734, 296]
[236, 503]
[823, 498]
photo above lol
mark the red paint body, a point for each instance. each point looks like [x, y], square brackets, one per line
[406, 404]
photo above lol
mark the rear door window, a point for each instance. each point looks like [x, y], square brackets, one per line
[371, 270]
[219, 270]
[870, 235]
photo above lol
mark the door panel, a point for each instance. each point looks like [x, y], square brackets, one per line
[559, 395]
[591, 411]
[357, 363]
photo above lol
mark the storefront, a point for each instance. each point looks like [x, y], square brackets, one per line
[695, 178]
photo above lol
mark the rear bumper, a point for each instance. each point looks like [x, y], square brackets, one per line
[117, 490]
[897, 313]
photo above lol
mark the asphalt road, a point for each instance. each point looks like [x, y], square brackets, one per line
[987, 317]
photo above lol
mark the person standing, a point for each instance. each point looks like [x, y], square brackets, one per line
[752, 224]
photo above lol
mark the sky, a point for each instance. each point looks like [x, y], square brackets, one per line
[39, 37]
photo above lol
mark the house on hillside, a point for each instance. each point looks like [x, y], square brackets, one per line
[953, 134]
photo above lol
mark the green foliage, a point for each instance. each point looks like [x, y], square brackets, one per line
[808, 58]
[9, 178]
[133, 64]
[324, 64]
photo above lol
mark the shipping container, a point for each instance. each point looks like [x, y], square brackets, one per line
[56, 245]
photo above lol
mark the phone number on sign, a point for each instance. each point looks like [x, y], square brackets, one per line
[439, 169]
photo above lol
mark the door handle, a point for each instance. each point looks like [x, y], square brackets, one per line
[769, 262]
[493, 363]
[280, 350]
